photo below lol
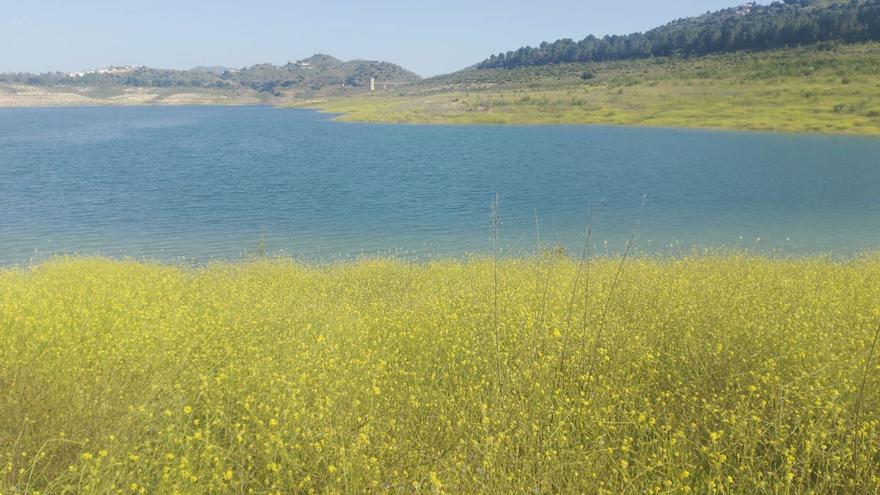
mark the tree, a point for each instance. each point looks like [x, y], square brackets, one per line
[793, 22]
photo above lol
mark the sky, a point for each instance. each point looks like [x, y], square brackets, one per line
[427, 37]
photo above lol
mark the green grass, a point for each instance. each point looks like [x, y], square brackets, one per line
[728, 374]
[827, 89]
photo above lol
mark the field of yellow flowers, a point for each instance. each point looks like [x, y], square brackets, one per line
[710, 374]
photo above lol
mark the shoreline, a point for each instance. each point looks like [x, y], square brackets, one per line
[361, 110]
[344, 117]
[25, 96]
[836, 93]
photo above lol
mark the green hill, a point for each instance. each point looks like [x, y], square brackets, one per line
[829, 88]
[798, 65]
[747, 27]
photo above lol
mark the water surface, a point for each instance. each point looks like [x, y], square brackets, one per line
[211, 182]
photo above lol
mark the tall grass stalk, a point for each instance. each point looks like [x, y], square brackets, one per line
[861, 395]
[602, 319]
[585, 260]
[495, 222]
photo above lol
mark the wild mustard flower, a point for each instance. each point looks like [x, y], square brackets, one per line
[249, 376]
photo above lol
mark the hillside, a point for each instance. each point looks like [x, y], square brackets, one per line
[800, 66]
[829, 88]
[267, 83]
[747, 27]
[318, 72]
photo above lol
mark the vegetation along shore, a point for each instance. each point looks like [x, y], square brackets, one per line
[729, 374]
[798, 65]
[832, 90]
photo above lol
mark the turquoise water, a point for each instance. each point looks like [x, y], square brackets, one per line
[211, 182]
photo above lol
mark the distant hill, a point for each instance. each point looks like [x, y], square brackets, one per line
[319, 71]
[213, 69]
[313, 73]
[747, 27]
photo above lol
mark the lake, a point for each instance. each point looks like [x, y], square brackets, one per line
[201, 183]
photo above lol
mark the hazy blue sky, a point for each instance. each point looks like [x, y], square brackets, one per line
[427, 37]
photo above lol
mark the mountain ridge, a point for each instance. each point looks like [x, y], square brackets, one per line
[312, 73]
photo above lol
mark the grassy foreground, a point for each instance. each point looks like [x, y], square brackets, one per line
[703, 375]
[827, 89]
